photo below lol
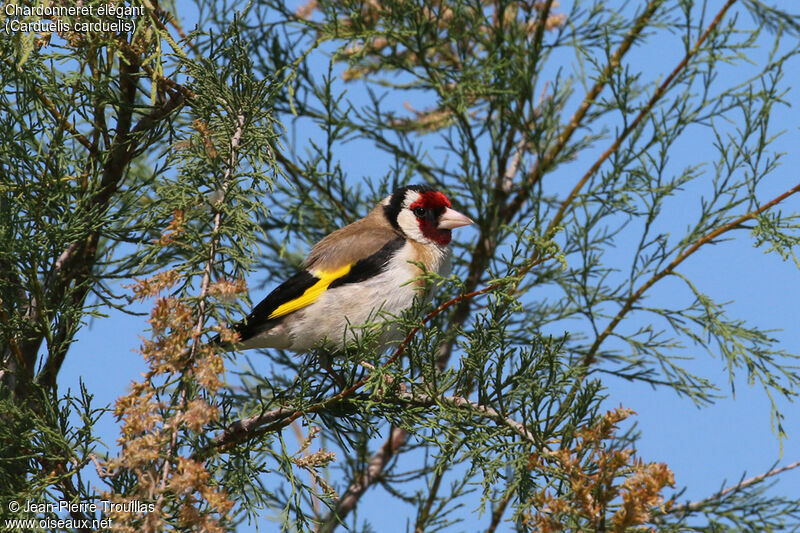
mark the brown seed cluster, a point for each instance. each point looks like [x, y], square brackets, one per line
[607, 488]
[313, 462]
[171, 405]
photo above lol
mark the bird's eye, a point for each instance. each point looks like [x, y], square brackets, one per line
[419, 212]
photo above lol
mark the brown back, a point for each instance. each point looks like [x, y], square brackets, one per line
[355, 241]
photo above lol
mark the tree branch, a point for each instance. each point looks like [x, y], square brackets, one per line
[487, 245]
[245, 428]
[251, 427]
[589, 357]
[375, 468]
[575, 122]
[499, 511]
[699, 504]
[659, 92]
[57, 116]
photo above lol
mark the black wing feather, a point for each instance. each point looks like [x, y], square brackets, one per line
[370, 266]
[258, 320]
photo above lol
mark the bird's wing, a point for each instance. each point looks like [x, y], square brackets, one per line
[306, 286]
[361, 239]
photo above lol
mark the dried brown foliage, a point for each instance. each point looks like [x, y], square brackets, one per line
[154, 427]
[602, 488]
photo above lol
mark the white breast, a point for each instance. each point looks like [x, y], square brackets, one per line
[339, 312]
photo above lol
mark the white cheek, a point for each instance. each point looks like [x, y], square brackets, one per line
[410, 226]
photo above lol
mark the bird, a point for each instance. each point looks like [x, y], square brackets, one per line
[359, 274]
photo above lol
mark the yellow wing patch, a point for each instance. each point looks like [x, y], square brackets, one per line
[311, 293]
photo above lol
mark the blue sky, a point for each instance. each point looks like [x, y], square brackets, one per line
[706, 448]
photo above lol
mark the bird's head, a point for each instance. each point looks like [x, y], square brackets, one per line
[423, 214]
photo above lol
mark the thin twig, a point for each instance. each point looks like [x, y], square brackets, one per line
[157, 114]
[212, 252]
[659, 92]
[57, 116]
[375, 467]
[699, 504]
[576, 120]
[240, 430]
[498, 512]
[397, 437]
[424, 400]
[588, 358]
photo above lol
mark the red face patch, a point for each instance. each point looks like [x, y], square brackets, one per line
[431, 200]
[434, 204]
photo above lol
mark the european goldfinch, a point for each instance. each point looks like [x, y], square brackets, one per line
[358, 274]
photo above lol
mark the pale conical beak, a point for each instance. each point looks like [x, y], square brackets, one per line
[453, 219]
